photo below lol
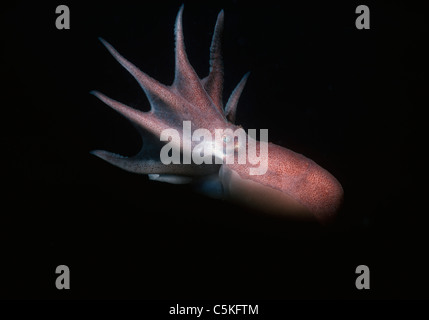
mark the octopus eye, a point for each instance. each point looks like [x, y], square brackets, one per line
[236, 146]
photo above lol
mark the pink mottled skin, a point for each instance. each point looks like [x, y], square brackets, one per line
[293, 184]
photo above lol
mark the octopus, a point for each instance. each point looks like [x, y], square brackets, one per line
[292, 186]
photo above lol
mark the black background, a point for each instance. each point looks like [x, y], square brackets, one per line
[349, 99]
